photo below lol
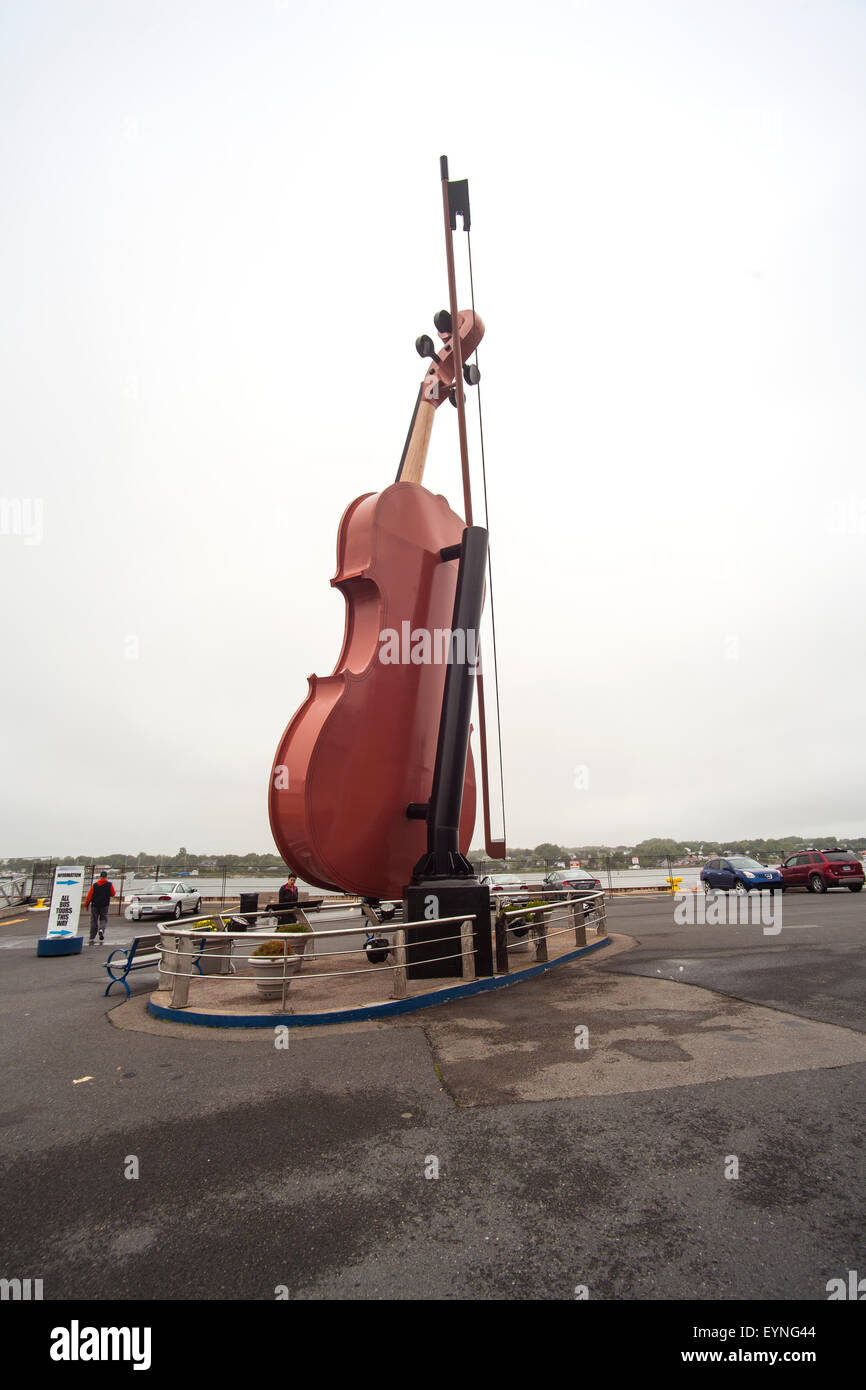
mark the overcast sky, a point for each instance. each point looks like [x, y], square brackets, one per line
[222, 233]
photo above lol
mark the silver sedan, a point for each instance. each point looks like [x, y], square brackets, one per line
[166, 900]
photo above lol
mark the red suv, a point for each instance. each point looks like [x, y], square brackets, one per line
[820, 869]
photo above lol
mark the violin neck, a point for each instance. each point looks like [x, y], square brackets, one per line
[412, 463]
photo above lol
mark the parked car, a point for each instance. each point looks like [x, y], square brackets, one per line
[502, 885]
[166, 900]
[740, 874]
[575, 880]
[510, 894]
[820, 869]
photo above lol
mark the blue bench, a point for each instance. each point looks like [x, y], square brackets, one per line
[141, 954]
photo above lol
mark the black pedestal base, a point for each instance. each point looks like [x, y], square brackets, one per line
[438, 897]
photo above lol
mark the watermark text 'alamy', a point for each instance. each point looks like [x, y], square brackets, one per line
[421, 646]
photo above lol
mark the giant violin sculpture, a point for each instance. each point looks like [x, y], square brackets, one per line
[361, 749]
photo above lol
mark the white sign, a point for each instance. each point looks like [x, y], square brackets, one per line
[575, 864]
[635, 862]
[65, 901]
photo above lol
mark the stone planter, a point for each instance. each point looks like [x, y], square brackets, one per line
[271, 967]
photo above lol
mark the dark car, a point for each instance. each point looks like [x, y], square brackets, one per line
[820, 869]
[737, 873]
[573, 880]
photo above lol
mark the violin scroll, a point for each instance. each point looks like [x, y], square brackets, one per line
[439, 381]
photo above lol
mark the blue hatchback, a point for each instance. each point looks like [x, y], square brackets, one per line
[739, 874]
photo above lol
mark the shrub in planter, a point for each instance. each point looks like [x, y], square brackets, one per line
[536, 917]
[298, 947]
[271, 963]
[519, 926]
[275, 948]
[270, 948]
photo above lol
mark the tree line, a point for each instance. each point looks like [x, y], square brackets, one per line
[235, 864]
[651, 854]
[655, 853]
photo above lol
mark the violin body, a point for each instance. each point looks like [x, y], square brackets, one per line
[362, 746]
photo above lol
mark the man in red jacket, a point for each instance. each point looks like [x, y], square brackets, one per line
[98, 898]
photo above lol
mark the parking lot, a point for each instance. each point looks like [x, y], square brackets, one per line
[556, 1165]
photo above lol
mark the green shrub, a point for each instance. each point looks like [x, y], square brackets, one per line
[515, 920]
[537, 902]
[275, 948]
[271, 948]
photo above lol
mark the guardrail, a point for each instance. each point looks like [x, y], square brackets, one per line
[577, 913]
[181, 946]
[13, 891]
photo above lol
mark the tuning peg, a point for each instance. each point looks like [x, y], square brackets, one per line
[442, 322]
[471, 374]
[425, 347]
[452, 396]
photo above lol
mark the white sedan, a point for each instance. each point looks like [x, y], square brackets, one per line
[166, 900]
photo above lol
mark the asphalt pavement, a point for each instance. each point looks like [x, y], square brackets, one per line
[487, 1149]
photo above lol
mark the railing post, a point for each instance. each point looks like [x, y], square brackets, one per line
[285, 981]
[399, 972]
[167, 959]
[467, 949]
[500, 933]
[539, 936]
[183, 954]
[579, 928]
[224, 952]
[306, 946]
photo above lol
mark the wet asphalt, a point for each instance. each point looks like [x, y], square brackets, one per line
[360, 1162]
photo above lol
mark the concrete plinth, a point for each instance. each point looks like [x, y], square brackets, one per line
[433, 948]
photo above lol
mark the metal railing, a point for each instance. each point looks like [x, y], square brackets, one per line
[183, 947]
[577, 913]
[13, 890]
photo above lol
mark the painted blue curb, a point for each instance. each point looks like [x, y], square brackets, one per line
[59, 945]
[371, 1011]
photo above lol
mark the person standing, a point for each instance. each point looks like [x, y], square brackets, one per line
[99, 896]
[288, 898]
